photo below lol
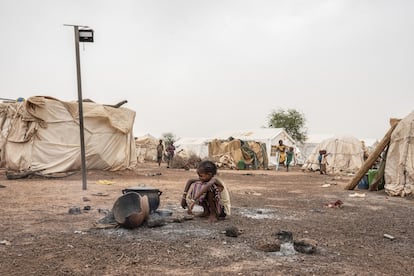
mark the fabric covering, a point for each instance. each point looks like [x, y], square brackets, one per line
[345, 154]
[399, 166]
[229, 152]
[42, 134]
[147, 148]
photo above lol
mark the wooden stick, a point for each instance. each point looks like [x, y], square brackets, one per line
[373, 156]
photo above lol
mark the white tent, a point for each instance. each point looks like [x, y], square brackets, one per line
[188, 146]
[42, 134]
[269, 136]
[346, 154]
[399, 166]
[312, 141]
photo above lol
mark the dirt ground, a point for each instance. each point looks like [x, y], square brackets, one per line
[39, 236]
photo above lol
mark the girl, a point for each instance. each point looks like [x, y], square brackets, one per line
[208, 192]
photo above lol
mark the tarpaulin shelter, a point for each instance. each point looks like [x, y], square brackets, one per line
[269, 136]
[228, 153]
[312, 141]
[42, 134]
[147, 147]
[399, 165]
[345, 154]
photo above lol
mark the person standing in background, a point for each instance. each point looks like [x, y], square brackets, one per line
[160, 152]
[289, 157]
[170, 154]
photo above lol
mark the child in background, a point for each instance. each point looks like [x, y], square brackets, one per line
[170, 154]
[160, 152]
[289, 157]
[208, 192]
[322, 161]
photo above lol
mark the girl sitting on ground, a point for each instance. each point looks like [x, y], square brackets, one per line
[207, 191]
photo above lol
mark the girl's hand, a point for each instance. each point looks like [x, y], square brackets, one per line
[192, 203]
[184, 203]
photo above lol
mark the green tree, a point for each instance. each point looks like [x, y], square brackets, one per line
[291, 120]
[169, 138]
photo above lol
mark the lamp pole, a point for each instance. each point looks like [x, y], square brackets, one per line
[80, 106]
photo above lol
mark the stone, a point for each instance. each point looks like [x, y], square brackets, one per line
[284, 236]
[305, 245]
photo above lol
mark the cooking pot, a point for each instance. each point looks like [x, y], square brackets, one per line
[131, 209]
[152, 194]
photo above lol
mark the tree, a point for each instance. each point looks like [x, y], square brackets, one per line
[169, 138]
[291, 120]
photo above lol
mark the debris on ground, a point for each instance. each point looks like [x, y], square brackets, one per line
[5, 242]
[357, 195]
[334, 204]
[232, 231]
[100, 194]
[154, 174]
[305, 245]
[74, 210]
[387, 236]
[105, 182]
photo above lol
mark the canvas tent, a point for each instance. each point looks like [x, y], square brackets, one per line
[188, 146]
[42, 134]
[346, 154]
[399, 166]
[312, 141]
[146, 147]
[269, 136]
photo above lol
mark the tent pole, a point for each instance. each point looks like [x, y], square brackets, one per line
[372, 157]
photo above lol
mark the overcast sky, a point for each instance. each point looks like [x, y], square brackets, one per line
[197, 68]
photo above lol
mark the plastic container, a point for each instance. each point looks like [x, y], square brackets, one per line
[241, 165]
[363, 183]
[371, 175]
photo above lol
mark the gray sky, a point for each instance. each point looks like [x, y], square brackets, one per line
[196, 68]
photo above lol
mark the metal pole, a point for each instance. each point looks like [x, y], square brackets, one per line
[80, 103]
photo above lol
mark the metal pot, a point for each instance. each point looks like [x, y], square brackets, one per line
[131, 209]
[152, 194]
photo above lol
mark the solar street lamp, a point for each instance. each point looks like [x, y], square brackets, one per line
[81, 35]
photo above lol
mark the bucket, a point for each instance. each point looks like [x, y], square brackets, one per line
[241, 165]
[371, 175]
[152, 194]
[363, 183]
[131, 209]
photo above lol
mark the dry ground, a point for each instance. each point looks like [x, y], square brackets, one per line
[38, 235]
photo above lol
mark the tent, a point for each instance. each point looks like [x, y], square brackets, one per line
[146, 146]
[346, 154]
[228, 153]
[269, 136]
[188, 146]
[42, 135]
[399, 166]
[312, 141]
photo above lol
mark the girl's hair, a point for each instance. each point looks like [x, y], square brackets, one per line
[207, 166]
